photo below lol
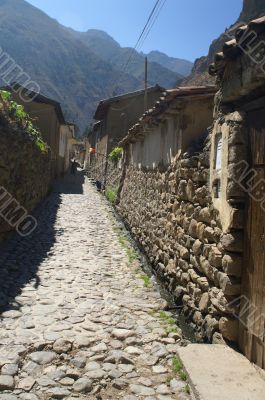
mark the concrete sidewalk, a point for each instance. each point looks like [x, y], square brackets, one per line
[217, 372]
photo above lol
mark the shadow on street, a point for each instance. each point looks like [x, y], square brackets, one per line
[20, 257]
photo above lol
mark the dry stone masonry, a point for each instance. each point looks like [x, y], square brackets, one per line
[171, 214]
[24, 168]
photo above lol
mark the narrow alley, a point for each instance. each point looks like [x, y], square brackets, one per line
[78, 320]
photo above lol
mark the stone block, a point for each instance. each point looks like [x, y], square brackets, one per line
[232, 264]
[229, 328]
[233, 241]
[229, 286]
[205, 215]
[197, 247]
[215, 257]
[204, 302]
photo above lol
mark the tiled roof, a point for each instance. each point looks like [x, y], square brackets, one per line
[233, 48]
[169, 100]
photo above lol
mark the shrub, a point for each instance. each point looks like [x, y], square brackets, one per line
[116, 154]
[111, 195]
[17, 112]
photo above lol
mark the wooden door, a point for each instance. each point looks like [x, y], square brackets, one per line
[252, 315]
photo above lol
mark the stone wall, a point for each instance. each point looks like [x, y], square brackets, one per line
[171, 214]
[24, 168]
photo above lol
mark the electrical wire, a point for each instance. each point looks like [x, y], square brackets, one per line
[149, 24]
[154, 21]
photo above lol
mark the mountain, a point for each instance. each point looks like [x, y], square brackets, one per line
[64, 68]
[251, 9]
[182, 67]
[110, 51]
[67, 66]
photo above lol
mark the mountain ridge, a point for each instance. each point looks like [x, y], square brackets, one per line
[65, 68]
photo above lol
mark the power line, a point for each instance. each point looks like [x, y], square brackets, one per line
[146, 25]
[132, 52]
[154, 21]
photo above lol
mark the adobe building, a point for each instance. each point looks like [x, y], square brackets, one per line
[114, 117]
[166, 131]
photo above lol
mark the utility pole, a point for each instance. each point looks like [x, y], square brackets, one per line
[145, 84]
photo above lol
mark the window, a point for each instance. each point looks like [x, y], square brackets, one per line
[218, 152]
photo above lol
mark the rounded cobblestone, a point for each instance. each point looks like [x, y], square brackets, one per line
[76, 316]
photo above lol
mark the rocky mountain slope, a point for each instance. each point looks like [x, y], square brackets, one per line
[110, 51]
[177, 65]
[65, 66]
[251, 9]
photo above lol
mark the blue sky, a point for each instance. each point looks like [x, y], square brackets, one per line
[184, 29]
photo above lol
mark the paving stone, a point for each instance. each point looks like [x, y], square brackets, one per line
[43, 357]
[9, 369]
[133, 350]
[26, 384]
[163, 389]
[92, 365]
[177, 386]
[28, 396]
[7, 396]
[83, 385]
[141, 390]
[45, 381]
[62, 346]
[122, 334]
[120, 384]
[79, 362]
[84, 325]
[11, 314]
[67, 381]
[6, 382]
[95, 374]
[159, 369]
[58, 393]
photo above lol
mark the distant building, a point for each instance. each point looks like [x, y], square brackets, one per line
[117, 114]
[175, 126]
[67, 134]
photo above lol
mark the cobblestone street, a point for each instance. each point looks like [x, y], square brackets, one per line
[78, 320]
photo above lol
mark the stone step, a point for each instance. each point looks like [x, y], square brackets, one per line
[217, 372]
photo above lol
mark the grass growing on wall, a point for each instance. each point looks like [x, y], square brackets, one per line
[111, 194]
[16, 111]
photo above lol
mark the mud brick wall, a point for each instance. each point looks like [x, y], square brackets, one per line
[171, 214]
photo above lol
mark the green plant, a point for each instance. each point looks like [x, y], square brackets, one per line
[187, 389]
[176, 365]
[132, 255]
[116, 154]
[17, 112]
[146, 279]
[171, 330]
[111, 195]
[177, 368]
[169, 378]
[5, 95]
[183, 376]
[166, 318]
